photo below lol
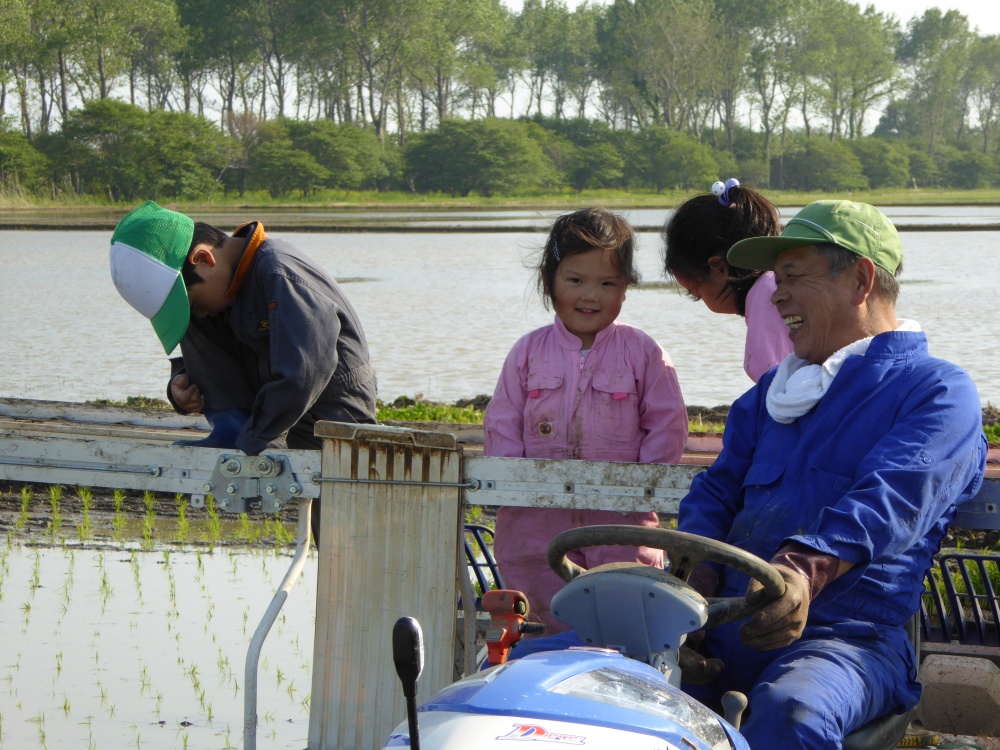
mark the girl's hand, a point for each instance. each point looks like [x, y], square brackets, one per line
[186, 395]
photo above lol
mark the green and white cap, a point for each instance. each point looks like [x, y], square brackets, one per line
[858, 227]
[148, 250]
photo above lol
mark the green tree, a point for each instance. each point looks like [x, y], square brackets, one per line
[822, 164]
[485, 156]
[573, 58]
[885, 163]
[924, 171]
[678, 60]
[983, 82]
[280, 169]
[441, 54]
[772, 81]
[935, 49]
[597, 166]
[666, 158]
[850, 58]
[494, 62]
[374, 31]
[967, 169]
[110, 150]
[22, 167]
[624, 99]
[351, 155]
[216, 34]
[188, 155]
[18, 49]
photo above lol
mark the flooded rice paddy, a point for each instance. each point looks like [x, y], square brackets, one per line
[121, 631]
[441, 312]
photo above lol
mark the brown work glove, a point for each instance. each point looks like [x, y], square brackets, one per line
[705, 580]
[782, 621]
[697, 669]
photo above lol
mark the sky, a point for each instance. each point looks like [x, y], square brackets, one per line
[984, 14]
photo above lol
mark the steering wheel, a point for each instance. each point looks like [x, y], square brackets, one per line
[685, 551]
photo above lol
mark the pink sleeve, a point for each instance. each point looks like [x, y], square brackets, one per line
[663, 418]
[503, 421]
[767, 336]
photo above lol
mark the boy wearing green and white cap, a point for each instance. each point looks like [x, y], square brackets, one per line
[269, 344]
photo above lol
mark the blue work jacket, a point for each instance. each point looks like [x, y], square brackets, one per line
[872, 475]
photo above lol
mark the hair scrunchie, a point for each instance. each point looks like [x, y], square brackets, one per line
[721, 190]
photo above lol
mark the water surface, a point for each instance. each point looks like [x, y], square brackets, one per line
[441, 311]
[104, 649]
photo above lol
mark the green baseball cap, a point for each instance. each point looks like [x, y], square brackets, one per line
[148, 250]
[857, 227]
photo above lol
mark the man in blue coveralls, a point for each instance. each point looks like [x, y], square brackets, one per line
[843, 467]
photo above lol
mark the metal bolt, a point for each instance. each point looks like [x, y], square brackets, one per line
[223, 459]
[295, 489]
[208, 487]
[279, 504]
[264, 465]
[223, 504]
[233, 466]
[231, 489]
[270, 489]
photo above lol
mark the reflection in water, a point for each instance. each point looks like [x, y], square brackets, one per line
[441, 311]
[113, 648]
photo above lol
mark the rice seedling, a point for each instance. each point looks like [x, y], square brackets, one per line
[245, 528]
[214, 522]
[39, 720]
[182, 523]
[36, 573]
[55, 498]
[86, 496]
[22, 519]
[148, 530]
[107, 590]
[118, 521]
[282, 534]
[65, 705]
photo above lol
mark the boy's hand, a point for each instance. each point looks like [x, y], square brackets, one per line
[187, 395]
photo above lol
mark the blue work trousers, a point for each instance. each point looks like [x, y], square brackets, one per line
[813, 693]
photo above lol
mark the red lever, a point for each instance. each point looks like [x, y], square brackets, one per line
[508, 611]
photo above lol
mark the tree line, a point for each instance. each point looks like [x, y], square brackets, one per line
[179, 98]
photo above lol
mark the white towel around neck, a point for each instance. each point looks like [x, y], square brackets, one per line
[798, 385]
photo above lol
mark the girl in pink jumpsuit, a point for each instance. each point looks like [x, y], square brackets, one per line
[696, 239]
[585, 387]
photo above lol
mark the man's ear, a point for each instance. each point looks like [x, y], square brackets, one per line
[202, 254]
[864, 279]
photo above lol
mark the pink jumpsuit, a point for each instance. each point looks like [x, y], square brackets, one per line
[618, 402]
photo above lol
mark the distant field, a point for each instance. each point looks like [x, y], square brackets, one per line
[615, 198]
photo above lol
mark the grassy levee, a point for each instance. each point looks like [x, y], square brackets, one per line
[333, 199]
